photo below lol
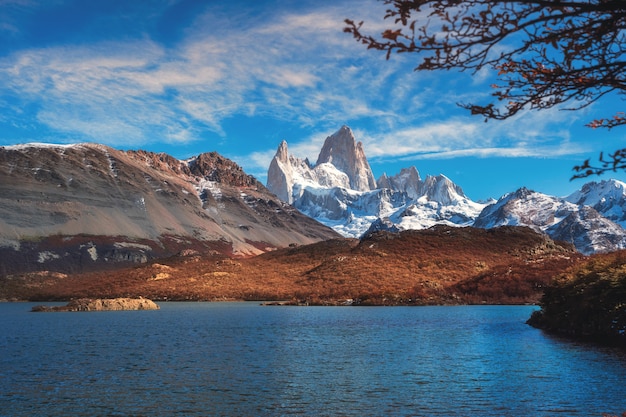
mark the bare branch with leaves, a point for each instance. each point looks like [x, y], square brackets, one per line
[545, 53]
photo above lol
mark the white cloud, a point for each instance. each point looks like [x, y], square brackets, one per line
[531, 134]
[292, 66]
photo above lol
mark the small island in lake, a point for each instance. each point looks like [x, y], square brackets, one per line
[102, 304]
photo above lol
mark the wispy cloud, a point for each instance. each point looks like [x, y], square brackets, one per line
[291, 66]
[294, 66]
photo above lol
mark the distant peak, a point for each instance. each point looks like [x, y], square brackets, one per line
[282, 153]
[342, 150]
[523, 192]
[340, 144]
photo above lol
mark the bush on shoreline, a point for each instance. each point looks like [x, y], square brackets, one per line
[587, 302]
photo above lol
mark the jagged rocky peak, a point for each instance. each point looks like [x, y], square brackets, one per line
[408, 181]
[607, 196]
[282, 170]
[343, 151]
[279, 179]
[580, 224]
[212, 166]
[524, 207]
[589, 231]
[341, 163]
[441, 189]
[340, 190]
[594, 192]
[282, 153]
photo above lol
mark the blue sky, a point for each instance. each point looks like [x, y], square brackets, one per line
[237, 77]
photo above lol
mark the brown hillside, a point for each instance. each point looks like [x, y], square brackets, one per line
[441, 265]
[88, 207]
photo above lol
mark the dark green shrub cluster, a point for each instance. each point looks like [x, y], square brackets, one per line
[589, 302]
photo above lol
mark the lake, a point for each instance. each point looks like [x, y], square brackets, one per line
[243, 359]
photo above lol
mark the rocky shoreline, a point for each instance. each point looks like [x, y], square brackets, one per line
[102, 304]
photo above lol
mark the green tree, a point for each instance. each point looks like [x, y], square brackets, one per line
[546, 53]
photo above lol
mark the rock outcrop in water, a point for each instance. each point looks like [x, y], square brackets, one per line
[102, 304]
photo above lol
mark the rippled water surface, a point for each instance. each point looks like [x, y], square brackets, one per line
[243, 359]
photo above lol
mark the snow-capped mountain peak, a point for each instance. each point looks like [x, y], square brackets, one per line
[525, 207]
[441, 189]
[561, 219]
[340, 191]
[608, 197]
[408, 180]
[346, 154]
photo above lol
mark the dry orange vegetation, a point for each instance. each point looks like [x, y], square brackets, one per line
[441, 265]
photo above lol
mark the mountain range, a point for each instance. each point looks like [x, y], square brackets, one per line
[87, 220]
[84, 207]
[339, 191]
[87, 207]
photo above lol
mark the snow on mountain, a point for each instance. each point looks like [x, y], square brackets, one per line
[408, 180]
[525, 207]
[340, 191]
[438, 201]
[342, 151]
[608, 197]
[589, 231]
[288, 176]
[575, 223]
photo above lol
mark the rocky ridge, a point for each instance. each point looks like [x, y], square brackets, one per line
[71, 208]
[583, 226]
[326, 191]
[591, 218]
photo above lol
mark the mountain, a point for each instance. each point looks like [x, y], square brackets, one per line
[341, 163]
[79, 207]
[525, 207]
[340, 191]
[440, 265]
[576, 223]
[607, 197]
[344, 153]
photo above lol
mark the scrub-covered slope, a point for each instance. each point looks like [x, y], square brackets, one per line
[441, 265]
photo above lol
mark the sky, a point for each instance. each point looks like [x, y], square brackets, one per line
[237, 77]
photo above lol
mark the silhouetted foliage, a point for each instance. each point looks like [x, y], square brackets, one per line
[589, 301]
[546, 53]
